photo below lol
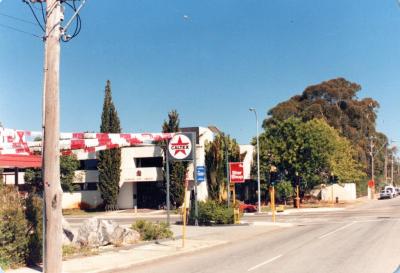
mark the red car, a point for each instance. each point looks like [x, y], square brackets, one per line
[247, 207]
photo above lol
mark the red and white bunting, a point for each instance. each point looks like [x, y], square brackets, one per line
[15, 141]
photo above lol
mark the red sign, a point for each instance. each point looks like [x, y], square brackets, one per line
[236, 173]
[371, 183]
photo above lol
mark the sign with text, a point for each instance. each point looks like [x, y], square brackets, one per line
[236, 172]
[180, 147]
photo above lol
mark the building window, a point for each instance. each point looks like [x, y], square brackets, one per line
[88, 186]
[149, 162]
[91, 186]
[88, 165]
[79, 186]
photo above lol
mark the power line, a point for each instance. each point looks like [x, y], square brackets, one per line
[43, 13]
[20, 30]
[34, 15]
[16, 18]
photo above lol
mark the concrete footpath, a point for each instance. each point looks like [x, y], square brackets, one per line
[198, 238]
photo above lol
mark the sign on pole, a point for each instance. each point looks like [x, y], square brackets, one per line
[236, 172]
[371, 183]
[180, 147]
[201, 172]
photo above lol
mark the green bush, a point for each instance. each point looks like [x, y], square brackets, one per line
[13, 229]
[34, 216]
[212, 212]
[152, 231]
[284, 191]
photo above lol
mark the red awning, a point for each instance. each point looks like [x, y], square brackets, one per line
[20, 161]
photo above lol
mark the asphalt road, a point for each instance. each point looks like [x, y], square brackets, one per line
[365, 239]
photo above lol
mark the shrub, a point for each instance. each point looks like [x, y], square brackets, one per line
[13, 229]
[212, 212]
[34, 216]
[284, 191]
[152, 231]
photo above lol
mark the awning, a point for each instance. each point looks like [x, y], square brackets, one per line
[20, 161]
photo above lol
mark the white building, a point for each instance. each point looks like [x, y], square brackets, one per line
[141, 175]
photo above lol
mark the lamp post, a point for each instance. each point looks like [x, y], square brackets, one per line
[258, 162]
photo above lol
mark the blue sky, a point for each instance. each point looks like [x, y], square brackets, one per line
[211, 60]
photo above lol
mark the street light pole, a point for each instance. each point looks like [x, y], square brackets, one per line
[392, 180]
[371, 190]
[258, 162]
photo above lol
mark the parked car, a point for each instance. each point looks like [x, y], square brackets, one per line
[392, 190]
[247, 207]
[384, 194]
[397, 189]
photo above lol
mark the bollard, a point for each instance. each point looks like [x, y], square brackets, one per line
[236, 216]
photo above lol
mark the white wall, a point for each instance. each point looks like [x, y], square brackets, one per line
[205, 134]
[248, 159]
[347, 192]
[125, 196]
[72, 200]
[131, 173]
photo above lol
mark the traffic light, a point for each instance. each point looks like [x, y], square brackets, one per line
[333, 179]
[273, 177]
[298, 180]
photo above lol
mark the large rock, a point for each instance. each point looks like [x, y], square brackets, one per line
[95, 232]
[124, 236]
[68, 234]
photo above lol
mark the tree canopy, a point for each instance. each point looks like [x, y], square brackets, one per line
[221, 149]
[313, 150]
[336, 102]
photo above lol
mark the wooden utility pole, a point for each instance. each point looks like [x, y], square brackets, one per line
[51, 157]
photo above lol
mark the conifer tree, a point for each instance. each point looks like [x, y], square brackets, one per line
[177, 170]
[109, 160]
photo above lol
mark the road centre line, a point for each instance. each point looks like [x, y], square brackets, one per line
[336, 230]
[264, 263]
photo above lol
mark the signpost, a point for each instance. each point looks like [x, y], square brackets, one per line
[236, 175]
[182, 147]
[273, 177]
[184, 210]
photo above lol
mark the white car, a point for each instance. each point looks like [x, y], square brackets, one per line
[392, 190]
[384, 194]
